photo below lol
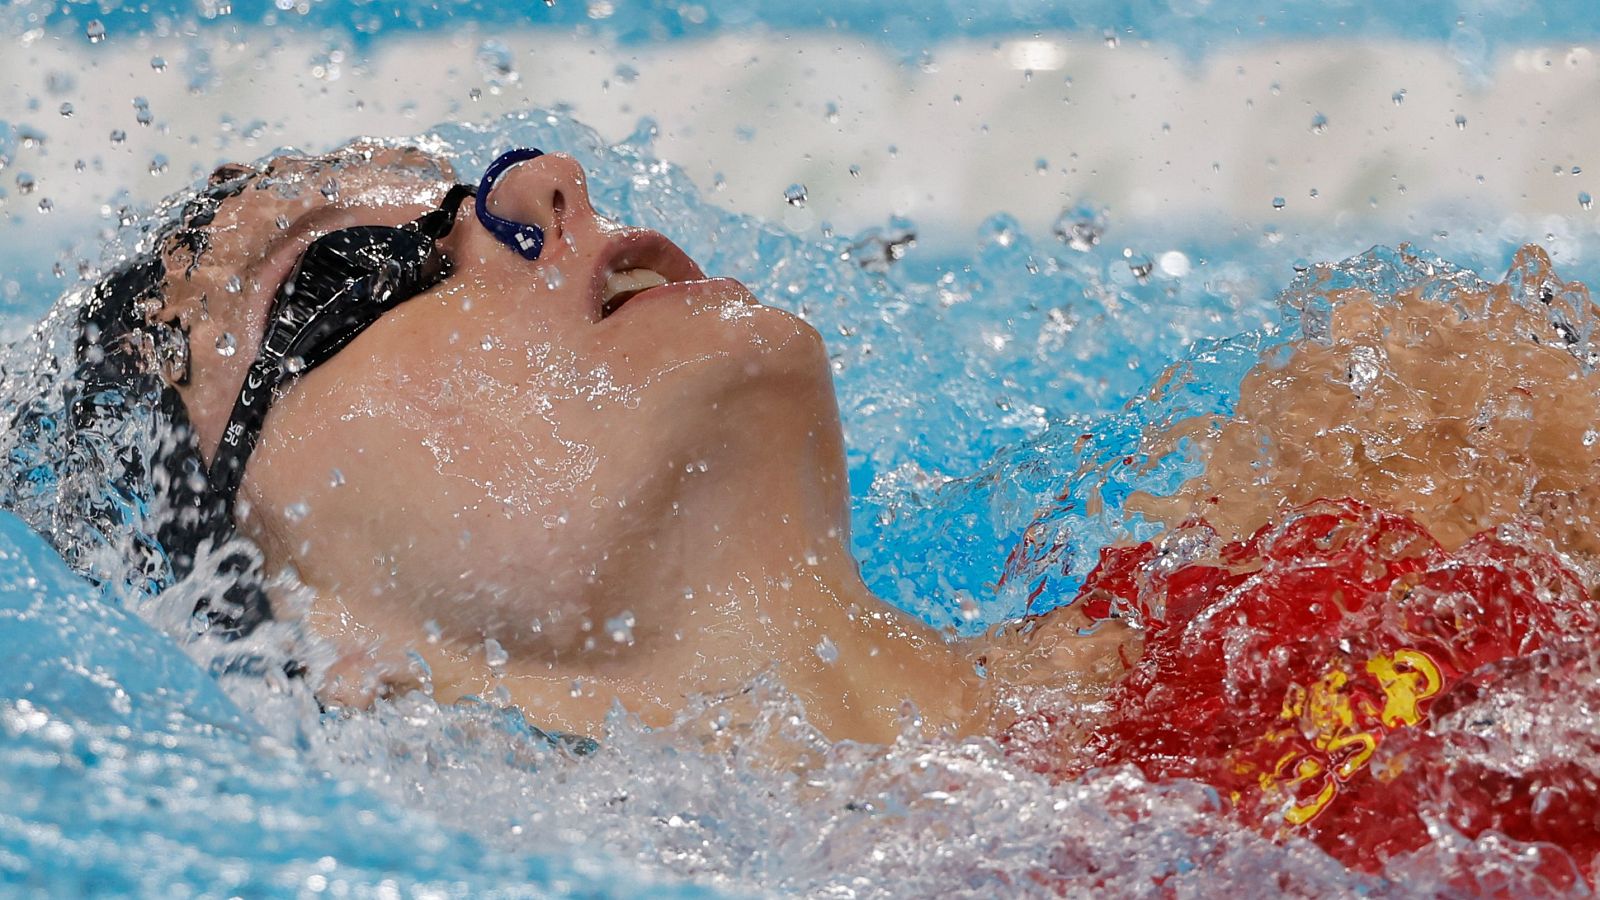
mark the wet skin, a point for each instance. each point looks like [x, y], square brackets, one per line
[531, 494]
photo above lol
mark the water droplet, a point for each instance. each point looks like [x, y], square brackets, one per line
[855, 171]
[831, 112]
[95, 31]
[620, 628]
[282, 221]
[330, 189]
[970, 611]
[1138, 263]
[227, 344]
[1111, 41]
[46, 204]
[795, 195]
[497, 65]
[158, 63]
[233, 285]
[158, 164]
[1175, 264]
[1080, 228]
[1461, 122]
[1278, 203]
[494, 654]
[1319, 124]
[1399, 97]
[475, 95]
[625, 73]
[296, 512]
[25, 183]
[1584, 200]
[66, 110]
[827, 651]
[335, 478]
[1577, 170]
[118, 136]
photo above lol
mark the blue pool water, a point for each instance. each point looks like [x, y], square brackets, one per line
[964, 382]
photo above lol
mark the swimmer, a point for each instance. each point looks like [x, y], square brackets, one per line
[489, 441]
[539, 451]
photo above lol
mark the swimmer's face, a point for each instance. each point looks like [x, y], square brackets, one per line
[504, 454]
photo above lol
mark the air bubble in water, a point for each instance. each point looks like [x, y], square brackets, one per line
[1584, 200]
[95, 31]
[227, 344]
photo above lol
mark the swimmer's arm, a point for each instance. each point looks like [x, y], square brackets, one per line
[1057, 651]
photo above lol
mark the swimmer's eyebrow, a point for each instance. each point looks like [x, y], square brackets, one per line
[307, 222]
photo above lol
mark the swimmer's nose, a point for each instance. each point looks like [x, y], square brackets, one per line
[549, 192]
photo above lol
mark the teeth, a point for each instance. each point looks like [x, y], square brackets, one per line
[632, 281]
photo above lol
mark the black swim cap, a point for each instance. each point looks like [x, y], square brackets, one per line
[119, 356]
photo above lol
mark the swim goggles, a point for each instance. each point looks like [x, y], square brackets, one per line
[345, 281]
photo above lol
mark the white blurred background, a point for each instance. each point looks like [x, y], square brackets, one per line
[1392, 135]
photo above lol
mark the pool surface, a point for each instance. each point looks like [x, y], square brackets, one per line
[1007, 220]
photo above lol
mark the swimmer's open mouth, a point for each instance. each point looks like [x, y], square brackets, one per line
[638, 261]
[626, 285]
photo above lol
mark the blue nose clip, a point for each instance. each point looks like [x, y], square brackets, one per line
[526, 240]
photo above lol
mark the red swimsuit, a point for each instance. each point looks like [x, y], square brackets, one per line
[1310, 672]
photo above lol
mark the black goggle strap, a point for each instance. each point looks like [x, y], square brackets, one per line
[345, 281]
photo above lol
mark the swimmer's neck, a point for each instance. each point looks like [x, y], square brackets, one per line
[789, 605]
